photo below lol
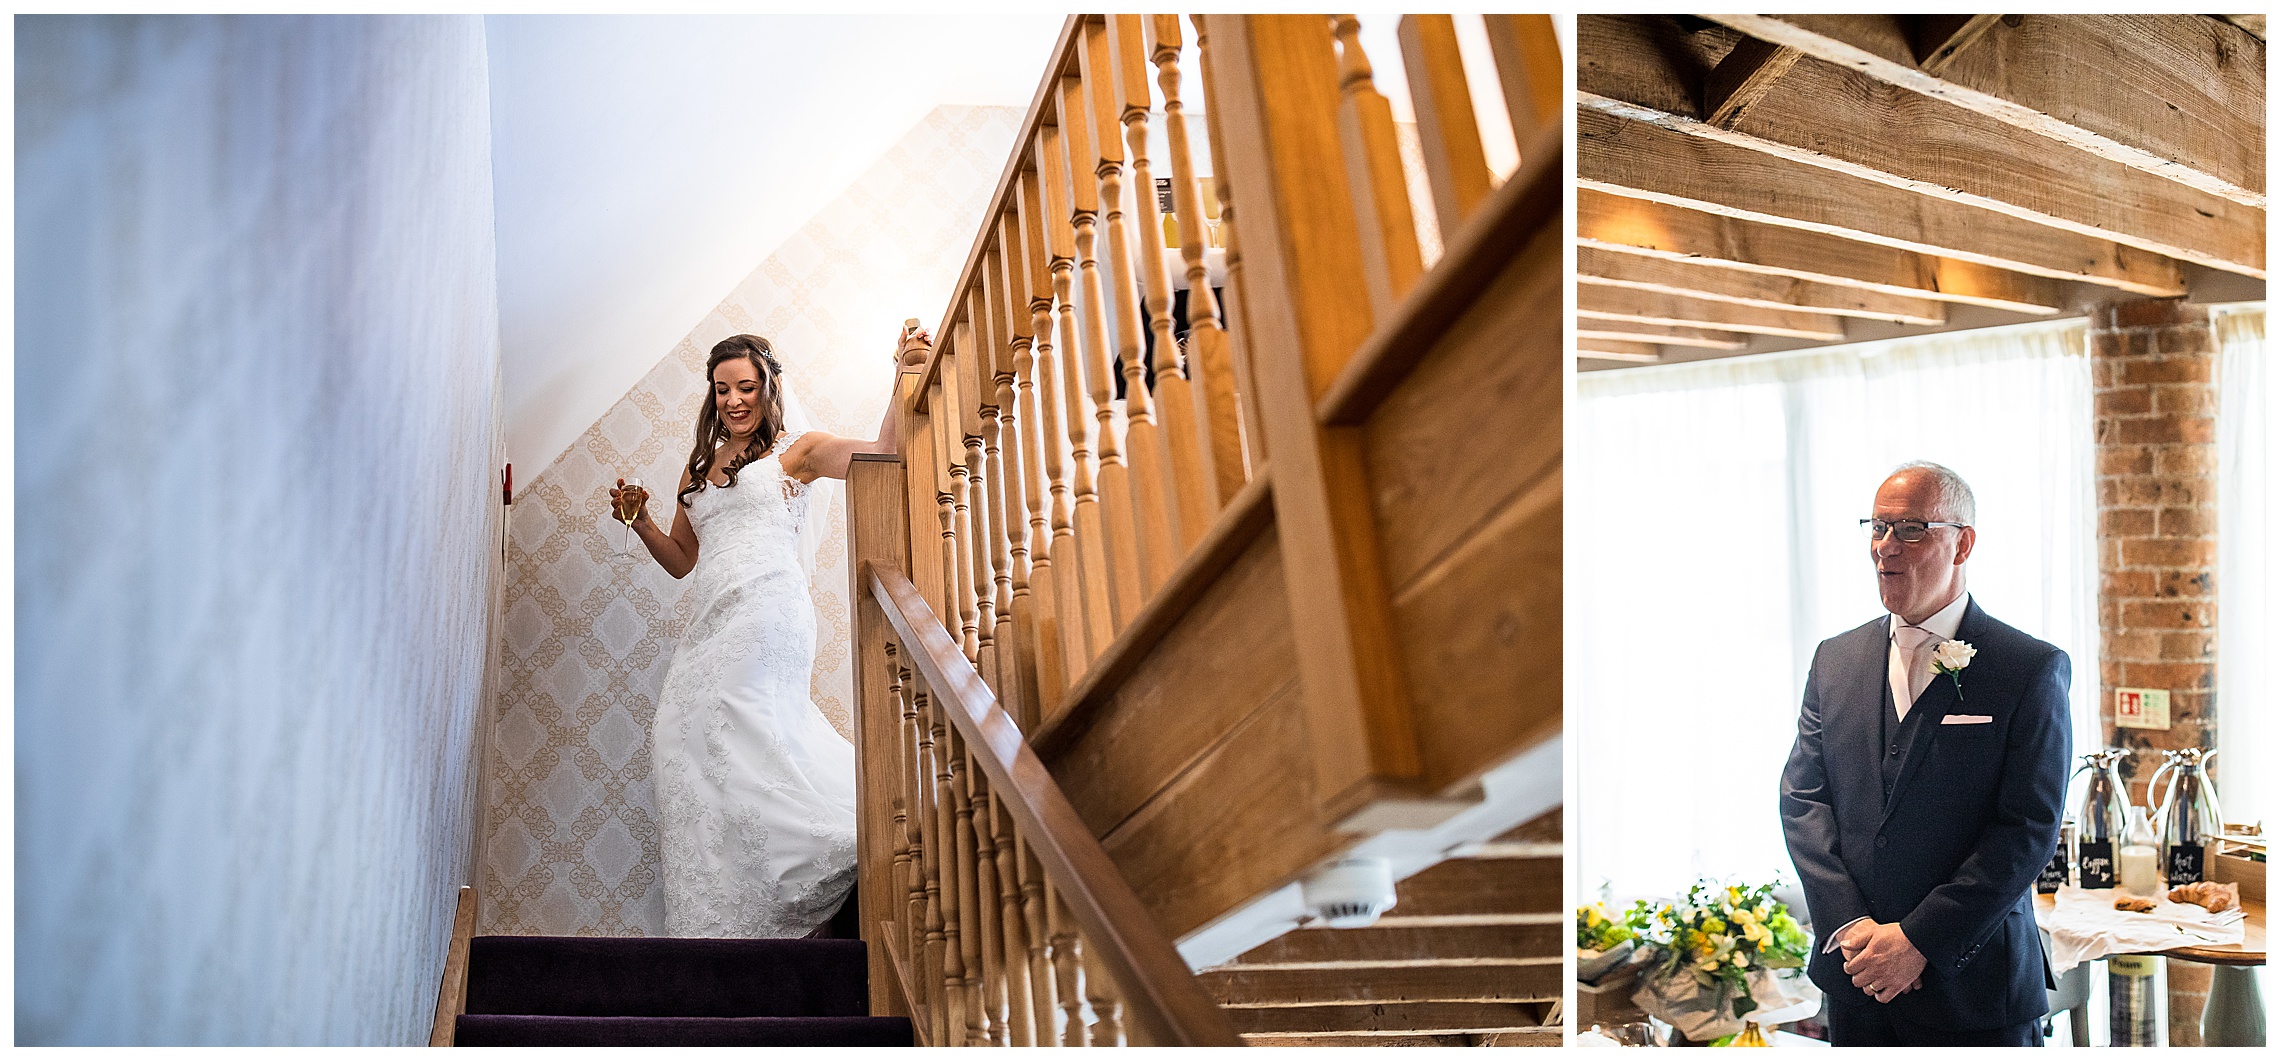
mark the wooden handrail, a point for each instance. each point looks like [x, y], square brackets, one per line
[1161, 994]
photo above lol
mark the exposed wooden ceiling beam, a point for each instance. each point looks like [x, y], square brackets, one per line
[1482, 886]
[2181, 96]
[1606, 331]
[1618, 350]
[1515, 981]
[1416, 1018]
[1742, 78]
[1840, 120]
[1593, 302]
[1647, 161]
[1935, 39]
[1594, 265]
[1640, 227]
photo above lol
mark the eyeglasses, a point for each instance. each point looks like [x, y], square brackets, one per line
[1907, 530]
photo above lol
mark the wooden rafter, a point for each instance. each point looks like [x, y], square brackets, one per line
[2178, 96]
[1649, 229]
[1607, 268]
[1617, 350]
[1646, 161]
[1937, 38]
[1629, 332]
[1826, 116]
[1511, 980]
[1594, 302]
[1742, 78]
[1415, 1018]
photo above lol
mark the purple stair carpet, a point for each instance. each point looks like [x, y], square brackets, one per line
[595, 991]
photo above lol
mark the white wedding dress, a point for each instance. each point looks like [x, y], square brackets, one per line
[755, 789]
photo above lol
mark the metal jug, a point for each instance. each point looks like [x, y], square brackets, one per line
[2190, 816]
[2102, 820]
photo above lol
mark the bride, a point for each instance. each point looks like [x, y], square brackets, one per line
[755, 789]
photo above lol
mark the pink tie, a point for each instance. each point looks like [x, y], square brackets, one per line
[1915, 643]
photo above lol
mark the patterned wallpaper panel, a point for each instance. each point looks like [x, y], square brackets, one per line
[569, 827]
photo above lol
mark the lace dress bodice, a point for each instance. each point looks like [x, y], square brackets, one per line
[756, 790]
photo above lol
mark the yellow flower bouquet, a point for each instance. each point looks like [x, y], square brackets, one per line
[1723, 953]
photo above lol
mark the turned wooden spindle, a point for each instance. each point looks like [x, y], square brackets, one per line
[1062, 553]
[898, 830]
[966, 854]
[1117, 530]
[933, 813]
[1147, 475]
[1527, 52]
[1062, 948]
[1194, 503]
[1017, 619]
[1456, 166]
[1092, 550]
[987, 906]
[973, 411]
[1391, 260]
[914, 882]
[1043, 1005]
[1237, 352]
[1021, 1027]
[992, 337]
[953, 967]
[1107, 1005]
[1040, 435]
[958, 571]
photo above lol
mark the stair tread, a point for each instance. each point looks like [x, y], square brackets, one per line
[602, 976]
[499, 1029]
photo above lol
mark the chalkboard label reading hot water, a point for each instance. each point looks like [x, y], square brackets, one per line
[2097, 863]
[2181, 863]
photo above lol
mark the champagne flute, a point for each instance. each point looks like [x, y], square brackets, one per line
[628, 509]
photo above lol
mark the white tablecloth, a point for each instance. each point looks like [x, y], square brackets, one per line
[2084, 926]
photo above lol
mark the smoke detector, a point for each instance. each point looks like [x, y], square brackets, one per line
[1350, 893]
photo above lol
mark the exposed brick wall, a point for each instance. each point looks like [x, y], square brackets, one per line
[2153, 366]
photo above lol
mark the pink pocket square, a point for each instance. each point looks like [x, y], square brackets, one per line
[1966, 720]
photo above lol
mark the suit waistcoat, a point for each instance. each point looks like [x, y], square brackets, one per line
[1895, 738]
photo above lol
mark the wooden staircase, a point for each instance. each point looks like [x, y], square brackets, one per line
[1468, 957]
[1151, 628]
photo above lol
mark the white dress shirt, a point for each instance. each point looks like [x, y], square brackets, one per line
[1910, 671]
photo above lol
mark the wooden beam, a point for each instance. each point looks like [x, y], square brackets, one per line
[1646, 161]
[1676, 311]
[1595, 265]
[1618, 350]
[1840, 120]
[1742, 78]
[2178, 96]
[1657, 230]
[1509, 981]
[1454, 943]
[1936, 39]
[1627, 332]
[1482, 886]
[1415, 1018]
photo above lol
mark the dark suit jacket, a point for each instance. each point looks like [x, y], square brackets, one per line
[1973, 817]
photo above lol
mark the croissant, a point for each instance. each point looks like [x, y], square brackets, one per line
[2208, 895]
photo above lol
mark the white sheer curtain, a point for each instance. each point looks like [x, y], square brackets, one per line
[1715, 504]
[2246, 470]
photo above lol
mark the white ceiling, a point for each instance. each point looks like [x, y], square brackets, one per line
[644, 165]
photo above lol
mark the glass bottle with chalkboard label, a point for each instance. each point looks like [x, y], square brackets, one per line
[2190, 817]
[2101, 820]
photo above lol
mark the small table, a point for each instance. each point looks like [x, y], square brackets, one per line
[2234, 1014]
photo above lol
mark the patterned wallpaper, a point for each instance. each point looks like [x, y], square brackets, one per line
[257, 527]
[569, 843]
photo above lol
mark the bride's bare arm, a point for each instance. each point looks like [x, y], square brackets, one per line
[823, 455]
[676, 551]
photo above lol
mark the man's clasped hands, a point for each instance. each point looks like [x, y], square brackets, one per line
[1880, 959]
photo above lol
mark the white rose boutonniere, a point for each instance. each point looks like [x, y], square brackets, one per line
[1950, 659]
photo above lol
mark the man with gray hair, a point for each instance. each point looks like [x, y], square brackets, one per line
[1924, 792]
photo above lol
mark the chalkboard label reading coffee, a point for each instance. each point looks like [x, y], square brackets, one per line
[2181, 863]
[2097, 864]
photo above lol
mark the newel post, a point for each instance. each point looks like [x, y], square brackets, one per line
[876, 530]
[1274, 99]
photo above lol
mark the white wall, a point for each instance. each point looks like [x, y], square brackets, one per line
[644, 163]
[256, 426]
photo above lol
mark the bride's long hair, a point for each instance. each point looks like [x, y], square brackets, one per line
[712, 433]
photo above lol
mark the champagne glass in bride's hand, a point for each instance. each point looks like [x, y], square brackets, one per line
[626, 504]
